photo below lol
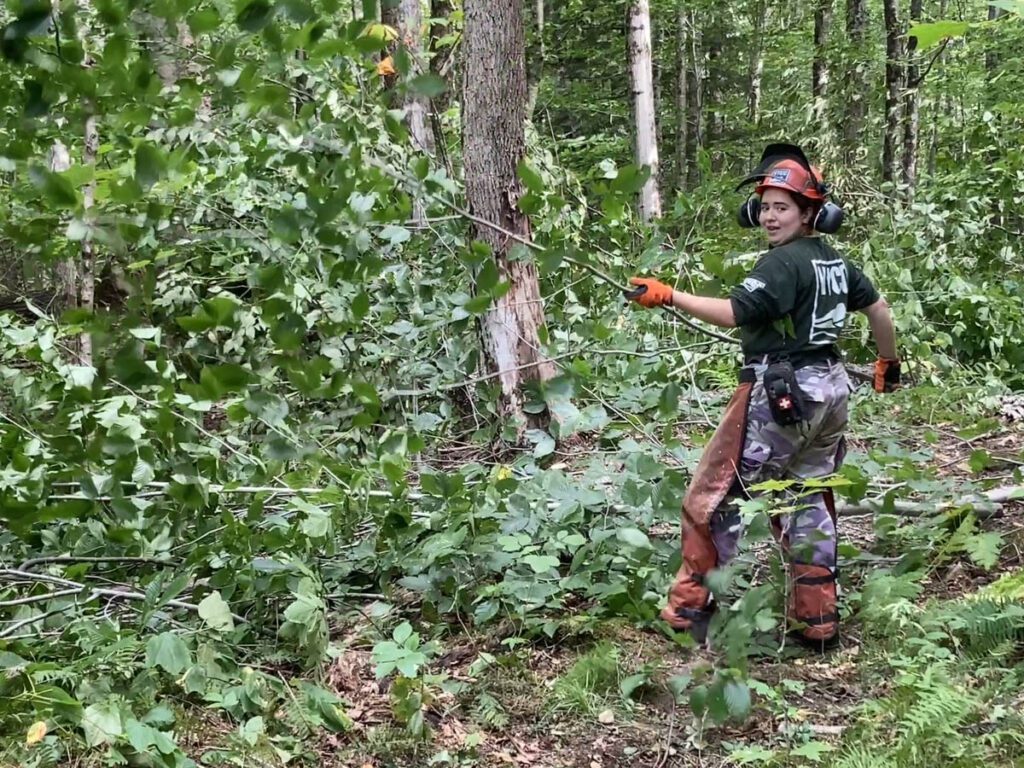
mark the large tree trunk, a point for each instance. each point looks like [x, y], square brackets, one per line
[856, 81]
[494, 143]
[819, 68]
[893, 90]
[912, 112]
[756, 70]
[682, 98]
[642, 82]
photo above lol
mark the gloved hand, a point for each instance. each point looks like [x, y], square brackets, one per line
[887, 375]
[657, 293]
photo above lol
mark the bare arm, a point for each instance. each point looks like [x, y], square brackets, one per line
[882, 328]
[710, 310]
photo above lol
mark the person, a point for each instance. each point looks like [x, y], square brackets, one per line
[788, 417]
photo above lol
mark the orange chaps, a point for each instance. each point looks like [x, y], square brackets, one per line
[717, 471]
[812, 608]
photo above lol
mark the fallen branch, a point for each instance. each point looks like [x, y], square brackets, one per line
[13, 574]
[988, 506]
[72, 559]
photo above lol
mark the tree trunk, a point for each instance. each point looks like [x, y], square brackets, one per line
[715, 121]
[992, 57]
[912, 112]
[494, 143]
[856, 82]
[945, 107]
[756, 65]
[442, 58]
[76, 275]
[893, 89]
[695, 108]
[819, 68]
[641, 80]
[535, 60]
[682, 96]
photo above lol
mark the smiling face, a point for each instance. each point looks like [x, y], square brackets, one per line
[781, 218]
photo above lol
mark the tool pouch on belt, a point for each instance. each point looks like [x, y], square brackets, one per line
[717, 471]
[785, 398]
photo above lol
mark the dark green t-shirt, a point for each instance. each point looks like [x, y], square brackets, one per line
[797, 297]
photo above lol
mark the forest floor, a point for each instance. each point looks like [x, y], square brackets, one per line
[821, 694]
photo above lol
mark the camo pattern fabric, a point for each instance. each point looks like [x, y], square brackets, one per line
[812, 449]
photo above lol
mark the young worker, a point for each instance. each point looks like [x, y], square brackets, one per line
[788, 417]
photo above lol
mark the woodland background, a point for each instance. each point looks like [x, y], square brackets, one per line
[327, 437]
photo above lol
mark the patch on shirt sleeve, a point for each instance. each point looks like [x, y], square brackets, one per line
[753, 284]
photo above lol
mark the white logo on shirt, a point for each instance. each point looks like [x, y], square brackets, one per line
[753, 284]
[830, 299]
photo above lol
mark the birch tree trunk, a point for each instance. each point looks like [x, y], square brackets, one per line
[494, 143]
[893, 90]
[76, 275]
[912, 112]
[641, 80]
[856, 82]
[819, 68]
[682, 96]
[756, 65]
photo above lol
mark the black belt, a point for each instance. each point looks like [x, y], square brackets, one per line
[800, 359]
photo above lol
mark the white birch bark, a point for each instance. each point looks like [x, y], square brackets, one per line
[642, 80]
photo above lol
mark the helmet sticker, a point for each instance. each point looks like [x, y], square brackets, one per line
[779, 175]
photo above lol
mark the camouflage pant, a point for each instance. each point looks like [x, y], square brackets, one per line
[812, 449]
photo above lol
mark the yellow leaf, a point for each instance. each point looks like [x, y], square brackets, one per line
[35, 734]
[385, 67]
[504, 472]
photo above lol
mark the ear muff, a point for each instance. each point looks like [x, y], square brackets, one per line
[829, 219]
[749, 214]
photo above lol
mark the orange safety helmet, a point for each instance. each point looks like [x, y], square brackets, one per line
[793, 176]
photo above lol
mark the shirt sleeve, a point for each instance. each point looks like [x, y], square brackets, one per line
[862, 291]
[767, 294]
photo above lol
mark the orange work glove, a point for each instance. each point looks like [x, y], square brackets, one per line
[657, 294]
[887, 375]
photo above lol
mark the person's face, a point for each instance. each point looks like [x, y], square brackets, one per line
[781, 218]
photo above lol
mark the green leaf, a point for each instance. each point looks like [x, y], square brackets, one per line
[929, 34]
[737, 699]
[395, 235]
[428, 85]
[980, 460]
[541, 563]
[543, 443]
[254, 15]
[206, 20]
[150, 165]
[984, 548]
[668, 402]
[169, 652]
[812, 750]
[634, 537]
[215, 611]
[56, 188]
[101, 724]
[530, 178]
